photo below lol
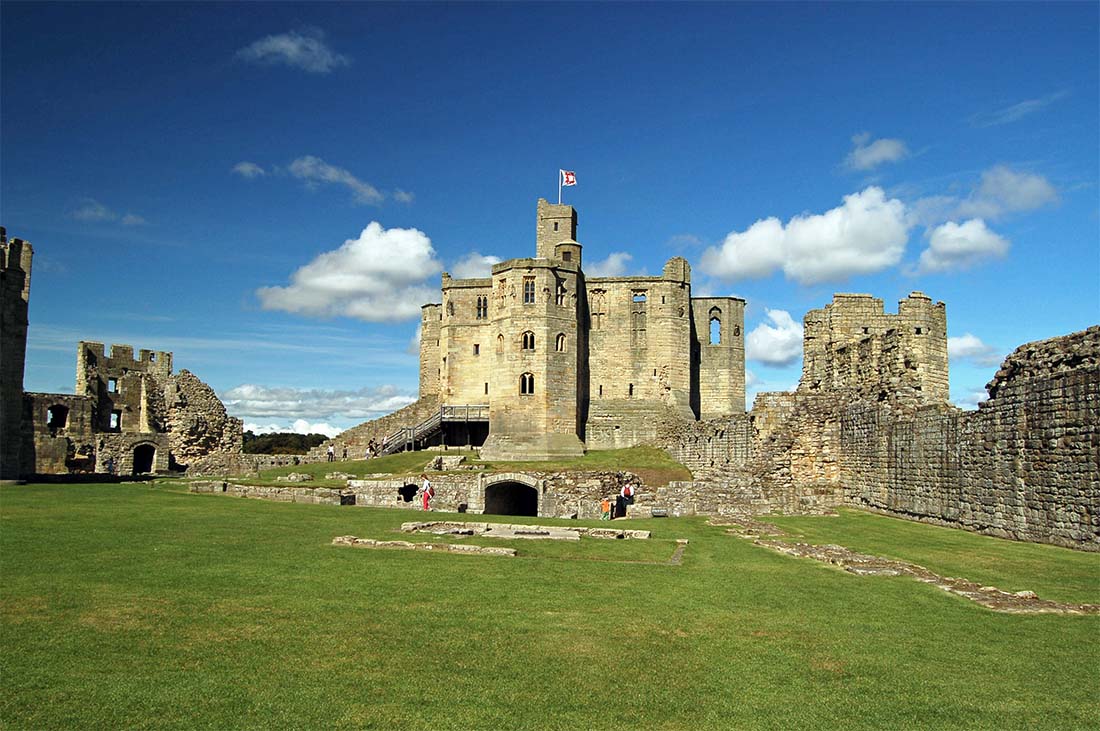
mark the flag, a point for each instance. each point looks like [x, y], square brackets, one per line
[568, 177]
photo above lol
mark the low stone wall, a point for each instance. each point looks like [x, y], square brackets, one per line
[311, 495]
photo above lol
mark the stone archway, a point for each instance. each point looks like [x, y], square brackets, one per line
[511, 498]
[145, 456]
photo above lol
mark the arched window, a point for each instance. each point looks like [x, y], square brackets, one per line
[559, 345]
[715, 326]
[527, 384]
[528, 341]
[500, 343]
[482, 308]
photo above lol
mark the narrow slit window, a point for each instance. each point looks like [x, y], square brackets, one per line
[560, 343]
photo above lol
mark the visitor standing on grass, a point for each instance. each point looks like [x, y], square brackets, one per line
[331, 453]
[427, 492]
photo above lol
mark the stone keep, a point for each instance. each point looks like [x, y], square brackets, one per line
[565, 362]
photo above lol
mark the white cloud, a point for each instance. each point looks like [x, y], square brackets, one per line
[377, 277]
[403, 196]
[413, 348]
[93, 210]
[779, 344]
[1003, 190]
[615, 265]
[866, 234]
[866, 155]
[1016, 111]
[305, 50]
[971, 398]
[954, 246]
[261, 403]
[248, 170]
[474, 266]
[300, 426]
[314, 171]
[970, 347]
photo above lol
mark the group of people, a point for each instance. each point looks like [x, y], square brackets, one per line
[374, 449]
[625, 497]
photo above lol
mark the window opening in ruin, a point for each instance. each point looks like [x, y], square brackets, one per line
[736, 331]
[450, 309]
[528, 341]
[482, 308]
[116, 421]
[407, 493]
[639, 296]
[56, 417]
[630, 391]
[654, 372]
[500, 343]
[561, 295]
[527, 384]
[486, 389]
[866, 330]
[662, 299]
[477, 349]
[560, 343]
[567, 256]
[601, 390]
[919, 331]
[715, 331]
[555, 225]
[528, 290]
[112, 385]
[144, 457]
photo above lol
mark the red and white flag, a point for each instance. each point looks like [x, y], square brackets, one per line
[568, 177]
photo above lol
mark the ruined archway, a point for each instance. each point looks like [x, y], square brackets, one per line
[144, 457]
[406, 493]
[511, 498]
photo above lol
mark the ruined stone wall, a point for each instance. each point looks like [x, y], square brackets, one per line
[852, 345]
[196, 420]
[115, 453]
[59, 437]
[126, 391]
[1026, 465]
[15, 282]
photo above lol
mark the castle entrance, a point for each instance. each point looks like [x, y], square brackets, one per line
[511, 498]
[144, 454]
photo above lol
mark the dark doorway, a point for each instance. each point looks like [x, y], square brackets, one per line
[144, 454]
[511, 498]
[407, 493]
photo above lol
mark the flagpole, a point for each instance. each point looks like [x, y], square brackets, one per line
[560, 176]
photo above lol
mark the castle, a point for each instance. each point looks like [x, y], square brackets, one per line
[563, 361]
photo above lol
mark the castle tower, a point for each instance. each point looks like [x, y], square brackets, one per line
[15, 286]
[539, 350]
[556, 223]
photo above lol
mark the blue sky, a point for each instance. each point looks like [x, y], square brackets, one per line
[204, 178]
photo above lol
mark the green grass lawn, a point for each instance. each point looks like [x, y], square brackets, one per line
[134, 606]
[653, 465]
